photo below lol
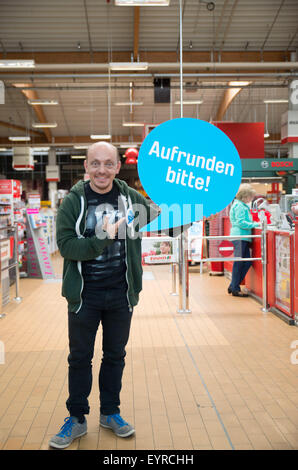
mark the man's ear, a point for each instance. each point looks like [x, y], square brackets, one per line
[118, 167]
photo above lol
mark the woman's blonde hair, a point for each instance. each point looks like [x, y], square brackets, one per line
[245, 190]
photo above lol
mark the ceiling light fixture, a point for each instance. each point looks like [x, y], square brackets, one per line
[17, 64]
[43, 102]
[130, 66]
[189, 102]
[127, 146]
[100, 136]
[133, 124]
[19, 138]
[142, 3]
[78, 157]
[80, 147]
[239, 84]
[38, 125]
[275, 101]
[128, 103]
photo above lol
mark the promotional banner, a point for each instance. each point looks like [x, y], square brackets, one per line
[190, 169]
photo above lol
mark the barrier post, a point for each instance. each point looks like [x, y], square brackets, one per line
[183, 274]
[265, 308]
[173, 268]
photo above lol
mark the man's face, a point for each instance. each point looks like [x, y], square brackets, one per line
[102, 165]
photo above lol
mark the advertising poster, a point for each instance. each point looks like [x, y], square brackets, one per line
[195, 241]
[159, 250]
[282, 273]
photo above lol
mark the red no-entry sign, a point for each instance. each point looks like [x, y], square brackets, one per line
[226, 248]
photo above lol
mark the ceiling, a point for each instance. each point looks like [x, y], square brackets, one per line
[72, 43]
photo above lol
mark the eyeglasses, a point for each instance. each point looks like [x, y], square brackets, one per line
[108, 166]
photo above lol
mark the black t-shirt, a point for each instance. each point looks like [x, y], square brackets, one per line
[109, 268]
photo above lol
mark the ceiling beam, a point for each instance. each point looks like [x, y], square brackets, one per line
[70, 141]
[19, 128]
[226, 100]
[147, 56]
[32, 95]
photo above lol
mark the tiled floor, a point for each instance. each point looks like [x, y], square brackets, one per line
[220, 377]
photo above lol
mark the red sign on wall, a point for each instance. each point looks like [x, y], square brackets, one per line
[248, 137]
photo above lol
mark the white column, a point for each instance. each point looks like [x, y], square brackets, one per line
[52, 185]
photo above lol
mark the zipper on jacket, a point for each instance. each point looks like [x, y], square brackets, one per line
[130, 307]
[79, 263]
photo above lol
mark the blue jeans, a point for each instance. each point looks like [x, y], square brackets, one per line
[240, 268]
[110, 308]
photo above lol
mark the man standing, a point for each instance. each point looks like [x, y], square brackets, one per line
[102, 278]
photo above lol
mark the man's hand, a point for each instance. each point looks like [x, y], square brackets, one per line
[111, 229]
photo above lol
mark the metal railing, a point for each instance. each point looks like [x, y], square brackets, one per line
[14, 230]
[184, 296]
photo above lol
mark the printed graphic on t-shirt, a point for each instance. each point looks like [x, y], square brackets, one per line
[111, 262]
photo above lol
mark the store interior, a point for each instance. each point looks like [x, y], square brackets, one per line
[78, 72]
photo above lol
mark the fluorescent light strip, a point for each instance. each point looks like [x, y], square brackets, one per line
[80, 147]
[78, 157]
[189, 102]
[275, 101]
[43, 102]
[142, 3]
[133, 124]
[239, 84]
[38, 125]
[99, 136]
[128, 103]
[17, 63]
[128, 146]
[19, 138]
[121, 66]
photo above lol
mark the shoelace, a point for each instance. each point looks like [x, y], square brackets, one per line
[118, 420]
[66, 428]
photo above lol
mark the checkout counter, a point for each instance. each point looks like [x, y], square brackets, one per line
[281, 269]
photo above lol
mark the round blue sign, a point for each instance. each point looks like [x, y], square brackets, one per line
[191, 165]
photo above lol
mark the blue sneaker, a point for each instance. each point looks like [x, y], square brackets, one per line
[120, 427]
[70, 430]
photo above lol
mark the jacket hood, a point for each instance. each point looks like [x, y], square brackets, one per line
[78, 188]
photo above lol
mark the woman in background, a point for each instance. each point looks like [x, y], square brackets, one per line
[241, 224]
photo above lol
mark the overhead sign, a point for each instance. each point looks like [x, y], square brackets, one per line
[52, 173]
[190, 168]
[289, 127]
[269, 164]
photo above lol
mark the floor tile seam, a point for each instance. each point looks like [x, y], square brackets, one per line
[147, 389]
[204, 384]
[156, 306]
[38, 406]
[201, 378]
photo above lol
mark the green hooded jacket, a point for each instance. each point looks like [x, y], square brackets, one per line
[75, 248]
